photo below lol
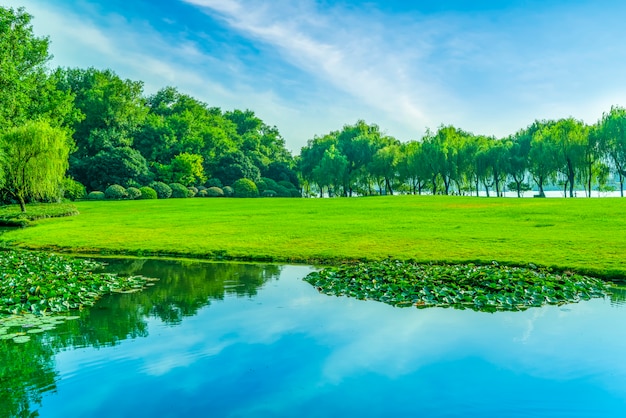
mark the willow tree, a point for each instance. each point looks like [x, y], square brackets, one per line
[34, 159]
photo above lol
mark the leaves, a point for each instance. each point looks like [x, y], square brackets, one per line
[38, 283]
[485, 288]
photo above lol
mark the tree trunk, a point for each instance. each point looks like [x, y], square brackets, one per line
[22, 204]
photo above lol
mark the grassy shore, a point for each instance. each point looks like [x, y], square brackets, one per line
[585, 235]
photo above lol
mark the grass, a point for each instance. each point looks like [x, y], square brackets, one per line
[583, 235]
[12, 215]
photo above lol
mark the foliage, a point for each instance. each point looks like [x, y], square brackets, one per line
[73, 189]
[214, 192]
[268, 193]
[34, 161]
[213, 182]
[42, 282]
[115, 192]
[118, 165]
[185, 168]
[96, 195]
[133, 193]
[180, 191]
[245, 188]
[203, 193]
[162, 190]
[470, 286]
[27, 92]
[148, 193]
[228, 191]
[11, 215]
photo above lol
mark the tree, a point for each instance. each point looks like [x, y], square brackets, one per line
[26, 90]
[612, 133]
[519, 150]
[543, 153]
[570, 136]
[34, 161]
[116, 165]
[185, 169]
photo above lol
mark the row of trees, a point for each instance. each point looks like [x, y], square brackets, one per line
[99, 129]
[360, 159]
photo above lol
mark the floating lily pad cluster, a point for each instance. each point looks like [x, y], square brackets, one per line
[37, 282]
[486, 288]
[20, 328]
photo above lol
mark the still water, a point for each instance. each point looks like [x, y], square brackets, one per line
[239, 340]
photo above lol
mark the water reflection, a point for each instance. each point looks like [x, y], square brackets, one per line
[231, 340]
[27, 370]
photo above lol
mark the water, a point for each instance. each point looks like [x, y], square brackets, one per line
[235, 340]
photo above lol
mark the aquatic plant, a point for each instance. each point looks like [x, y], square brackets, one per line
[40, 283]
[486, 288]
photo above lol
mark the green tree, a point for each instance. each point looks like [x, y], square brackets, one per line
[27, 91]
[612, 131]
[543, 153]
[34, 161]
[185, 169]
[570, 137]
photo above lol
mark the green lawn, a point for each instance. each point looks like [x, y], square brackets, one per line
[586, 235]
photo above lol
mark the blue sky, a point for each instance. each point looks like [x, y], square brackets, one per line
[309, 67]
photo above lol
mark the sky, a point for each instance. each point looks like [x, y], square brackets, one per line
[312, 66]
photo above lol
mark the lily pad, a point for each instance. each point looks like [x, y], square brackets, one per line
[486, 288]
[21, 339]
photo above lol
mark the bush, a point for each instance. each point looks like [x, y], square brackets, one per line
[200, 188]
[213, 183]
[245, 188]
[95, 195]
[269, 193]
[73, 190]
[179, 191]
[148, 193]
[214, 192]
[162, 190]
[228, 191]
[193, 191]
[203, 193]
[133, 193]
[115, 192]
[269, 184]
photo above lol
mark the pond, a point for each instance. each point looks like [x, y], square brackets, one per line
[233, 340]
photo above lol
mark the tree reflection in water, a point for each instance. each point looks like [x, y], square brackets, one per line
[28, 370]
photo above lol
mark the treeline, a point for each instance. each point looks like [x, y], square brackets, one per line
[359, 159]
[72, 131]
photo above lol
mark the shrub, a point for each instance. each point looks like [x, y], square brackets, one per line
[95, 195]
[269, 184]
[245, 188]
[200, 188]
[133, 193]
[193, 191]
[115, 192]
[162, 190]
[203, 193]
[148, 193]
[73, 190]
[213, 182]
[287, 185]
[228, 191]
[282, 191]
[214, 192]
[269, 193]
[179, 191]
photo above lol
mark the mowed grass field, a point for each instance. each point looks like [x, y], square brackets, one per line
[585, 235]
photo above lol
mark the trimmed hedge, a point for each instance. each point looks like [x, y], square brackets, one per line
[133, 193]
[162, 190]
[148, 193]
[95, 195]
[228, 191]
[115, 192]
[73, 189]
[214, 192]
[245, 188]
[179, 191]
